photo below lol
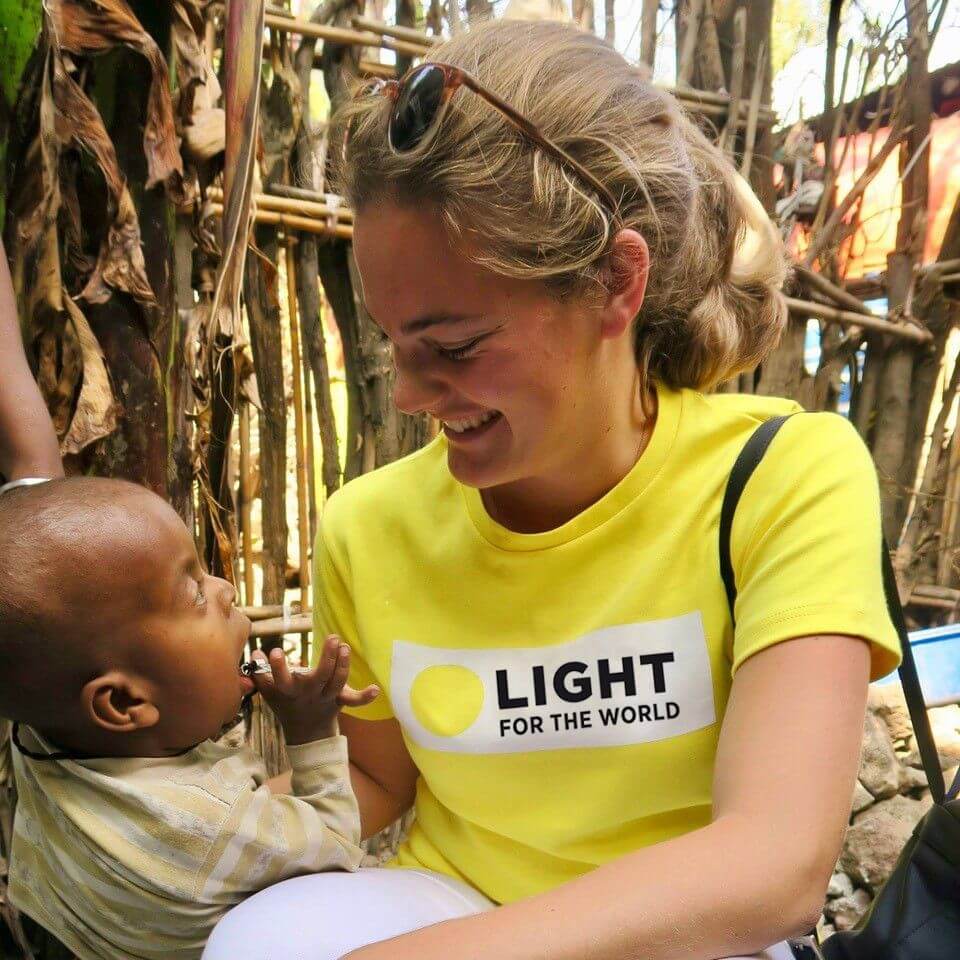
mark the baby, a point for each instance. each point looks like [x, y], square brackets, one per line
[135, 832]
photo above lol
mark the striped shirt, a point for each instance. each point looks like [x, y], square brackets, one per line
[139, 858]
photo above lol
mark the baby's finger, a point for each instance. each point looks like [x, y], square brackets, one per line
[340, 671]
[327, 662]
[263, 681]
[282, 678]
[349, 697]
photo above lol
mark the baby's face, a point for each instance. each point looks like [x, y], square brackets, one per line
[189, 637]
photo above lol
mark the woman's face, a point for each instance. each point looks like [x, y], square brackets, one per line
[519, 380]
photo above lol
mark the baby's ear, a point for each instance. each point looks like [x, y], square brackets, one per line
[118, 703]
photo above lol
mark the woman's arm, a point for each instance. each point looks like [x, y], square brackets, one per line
[784, 776]
[28, 444]
[382, 774]
[384, 777]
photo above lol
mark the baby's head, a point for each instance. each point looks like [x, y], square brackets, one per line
[113, 641]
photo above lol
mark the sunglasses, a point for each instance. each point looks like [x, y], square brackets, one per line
[420, 100]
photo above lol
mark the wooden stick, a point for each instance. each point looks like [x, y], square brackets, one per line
[823, 238]
[942, 266]
[711, 62]
[846, 318]
[246, 503]
[648, 31]
[752, 117]
[303, 517]
[690, 38]
[728, 139]
[370, 68]
[296, 205]
[343, 35]
[270, 610]
[291, 222]
[829, 289]
[278, 626]
[949, 519]
[391, 30]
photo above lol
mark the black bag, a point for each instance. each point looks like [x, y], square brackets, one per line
[916, 914]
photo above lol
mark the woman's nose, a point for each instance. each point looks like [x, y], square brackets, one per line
[414, 389]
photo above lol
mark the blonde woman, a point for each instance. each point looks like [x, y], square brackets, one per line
[587, 739]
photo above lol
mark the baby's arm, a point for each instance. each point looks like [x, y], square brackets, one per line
[269, 837]
[266, 837]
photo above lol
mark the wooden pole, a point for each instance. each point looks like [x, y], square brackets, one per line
[391, 30]
[303, 517]
[728, 138]
[246, 504]
[753, 115]
[290, 222]
[343, 35]
[648, 31]
[296, 205]
[691, 37]
[846, 318]
[301, 623]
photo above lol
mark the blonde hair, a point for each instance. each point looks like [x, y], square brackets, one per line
[708, 312]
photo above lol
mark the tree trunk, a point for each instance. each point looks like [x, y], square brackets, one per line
[260, 293]
[583, 14]
[890, 441]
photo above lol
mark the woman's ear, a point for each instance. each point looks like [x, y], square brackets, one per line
[118, 703]
[628, 270]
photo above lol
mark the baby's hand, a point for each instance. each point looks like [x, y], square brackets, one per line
[306, 702]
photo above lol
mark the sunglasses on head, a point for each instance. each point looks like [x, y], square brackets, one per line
[420, 99]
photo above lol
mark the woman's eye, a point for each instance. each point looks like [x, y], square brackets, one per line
[460, 352]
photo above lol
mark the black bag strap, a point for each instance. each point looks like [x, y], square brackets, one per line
[747, 461]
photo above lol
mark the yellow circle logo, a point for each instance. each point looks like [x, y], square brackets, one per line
[446, 699]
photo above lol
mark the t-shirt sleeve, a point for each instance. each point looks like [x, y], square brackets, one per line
[806, 542]
[334, 611]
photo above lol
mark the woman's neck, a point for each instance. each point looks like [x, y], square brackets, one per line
[537, 504]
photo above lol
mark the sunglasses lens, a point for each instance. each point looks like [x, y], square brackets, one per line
[417, 108]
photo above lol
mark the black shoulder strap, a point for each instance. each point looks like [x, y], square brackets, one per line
[746, 463]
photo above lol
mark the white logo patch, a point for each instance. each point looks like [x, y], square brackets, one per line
[634, 683]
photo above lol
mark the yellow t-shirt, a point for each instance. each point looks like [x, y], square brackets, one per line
[562, 692]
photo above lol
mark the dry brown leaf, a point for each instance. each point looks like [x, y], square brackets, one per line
[120, 263]
[95, 415]
[93, 27]
[205, 135]
[194, 73]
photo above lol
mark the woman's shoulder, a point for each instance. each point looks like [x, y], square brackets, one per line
[805, 435]
[399, 487]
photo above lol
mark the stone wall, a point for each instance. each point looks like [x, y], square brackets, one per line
[889, 798]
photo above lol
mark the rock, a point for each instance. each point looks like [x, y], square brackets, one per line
[848, 910]
[862, 798]
[877, 837]
[879, 766]
[945, 725]
[911, 779]
[889, 704]
[840, 886]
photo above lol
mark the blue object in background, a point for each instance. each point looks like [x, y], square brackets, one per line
[936, 651]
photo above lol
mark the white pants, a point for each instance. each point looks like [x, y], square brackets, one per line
[326, 915]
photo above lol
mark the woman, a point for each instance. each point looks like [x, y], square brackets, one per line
[585, 737]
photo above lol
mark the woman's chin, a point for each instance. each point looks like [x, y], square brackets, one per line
[474, 471]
